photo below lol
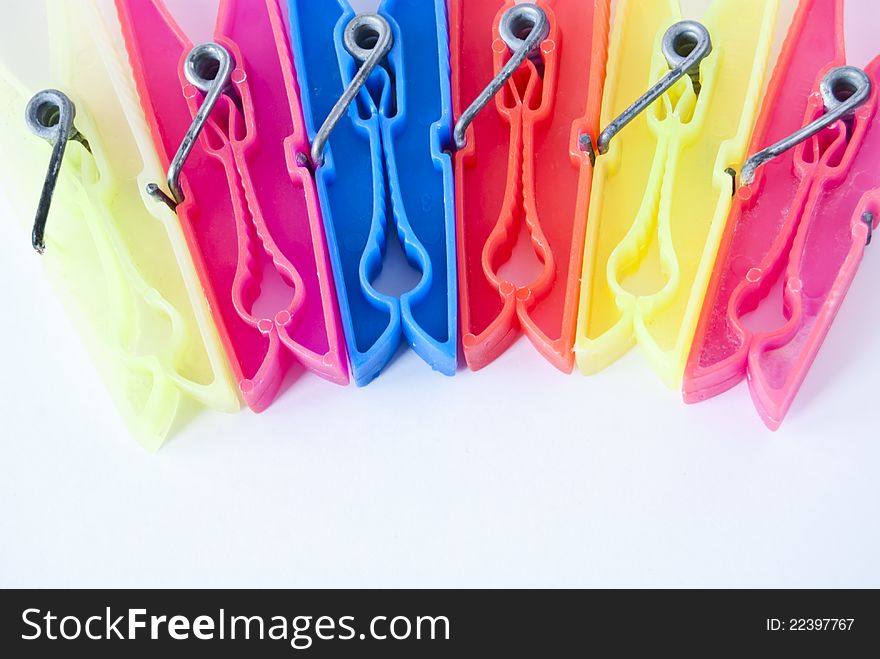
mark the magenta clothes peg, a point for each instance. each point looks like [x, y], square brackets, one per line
[227, 120]
[841, 215]
[804, 213]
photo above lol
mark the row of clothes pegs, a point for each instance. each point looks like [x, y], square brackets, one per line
[214, 214]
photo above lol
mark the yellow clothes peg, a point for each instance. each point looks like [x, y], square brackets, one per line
[117, 259]
[661, 192]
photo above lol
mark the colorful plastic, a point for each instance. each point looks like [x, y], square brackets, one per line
[801, 219]
[118, 261]
[523, 164]
[251, 212]
[385, 166]
[661, 195]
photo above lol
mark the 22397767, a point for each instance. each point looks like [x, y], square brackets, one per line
[810, 624]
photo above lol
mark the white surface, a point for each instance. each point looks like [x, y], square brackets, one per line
[516, 476]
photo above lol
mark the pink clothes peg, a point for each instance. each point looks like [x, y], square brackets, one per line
[804, 213]
[227, 121]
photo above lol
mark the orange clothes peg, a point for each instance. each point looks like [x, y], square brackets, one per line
[519, 160]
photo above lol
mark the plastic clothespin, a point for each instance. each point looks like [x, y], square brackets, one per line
[248, 206]
[662, 188]
[519, 160]
[803, 214]
[117, 260]
[377, 105]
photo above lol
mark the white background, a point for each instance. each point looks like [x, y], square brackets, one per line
[515, 476]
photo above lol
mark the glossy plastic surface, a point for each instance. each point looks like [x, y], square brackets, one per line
[661, 195]
[801, 219]
[385, 169]
[523, 166]
[118, 261]
[251, 213]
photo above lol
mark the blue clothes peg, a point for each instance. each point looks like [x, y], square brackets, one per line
[384, 166]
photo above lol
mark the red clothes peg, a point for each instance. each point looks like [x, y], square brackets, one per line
[523, 163]
[805, 215]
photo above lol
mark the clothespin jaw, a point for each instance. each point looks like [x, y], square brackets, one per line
[121, 270]
[649, 255]
[379, 165]
[519, 164]
[806, 217]
[227, 120]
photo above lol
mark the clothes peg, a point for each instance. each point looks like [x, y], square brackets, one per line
[527, 83]
[808, 203]
[377, 106]
[118, 261]
[662, 188]
[227, 121]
